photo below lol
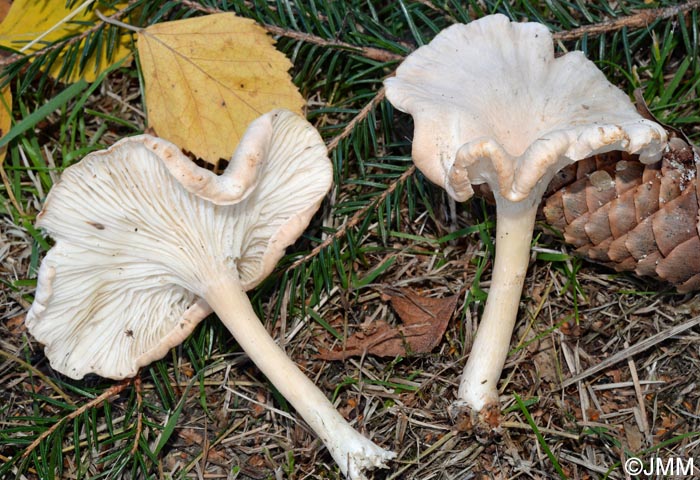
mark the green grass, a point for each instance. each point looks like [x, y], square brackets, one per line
[540, 438]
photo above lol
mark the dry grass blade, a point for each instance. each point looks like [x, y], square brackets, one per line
[548, 431]
[61, 45]
[8, 188]
[426, 453]
[633, 350]
[39, 374]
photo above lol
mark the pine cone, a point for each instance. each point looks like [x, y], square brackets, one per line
[631, 216]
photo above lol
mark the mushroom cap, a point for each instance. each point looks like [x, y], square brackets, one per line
[136, 250]
[491, 104]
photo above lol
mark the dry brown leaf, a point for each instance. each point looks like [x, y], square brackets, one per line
[256, 461]
[191, 436]
[634, 437]
[29, 20]
[208, 77]
[545, 360]
[16, 325]
[258, 409]
[424, 321]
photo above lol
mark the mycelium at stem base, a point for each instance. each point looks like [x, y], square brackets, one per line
[351, 451]
[478, 387]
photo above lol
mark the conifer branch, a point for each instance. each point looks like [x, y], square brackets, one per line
[355, 219]
[372, 53]
[638, 20]
[111, 391]
[361, 115]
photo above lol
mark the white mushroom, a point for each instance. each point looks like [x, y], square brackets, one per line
[147, 244]
[491, 104]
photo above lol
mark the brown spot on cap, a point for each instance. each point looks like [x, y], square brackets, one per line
[97, 225]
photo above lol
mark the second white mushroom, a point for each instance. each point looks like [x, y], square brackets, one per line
[491, 104]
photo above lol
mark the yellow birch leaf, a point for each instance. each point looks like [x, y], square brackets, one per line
[5, 117]
[48, 21]
[5, 124]
[4, 8]
[208, 77]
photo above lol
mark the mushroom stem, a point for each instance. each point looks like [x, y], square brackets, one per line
[352, 451]
[514, 226]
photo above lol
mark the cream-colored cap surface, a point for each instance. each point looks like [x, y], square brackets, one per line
[491, 104]
[136, 243]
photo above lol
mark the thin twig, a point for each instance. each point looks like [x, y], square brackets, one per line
[113, 390]
[638, 20]
[31, 470]
[39, 374]
[359, 215]
[372, 53]
[633, 350]
[139, 414]
[201, 8]
[361, 115]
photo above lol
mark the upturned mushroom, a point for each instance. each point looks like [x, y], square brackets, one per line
[491, 104]
[148, 244]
